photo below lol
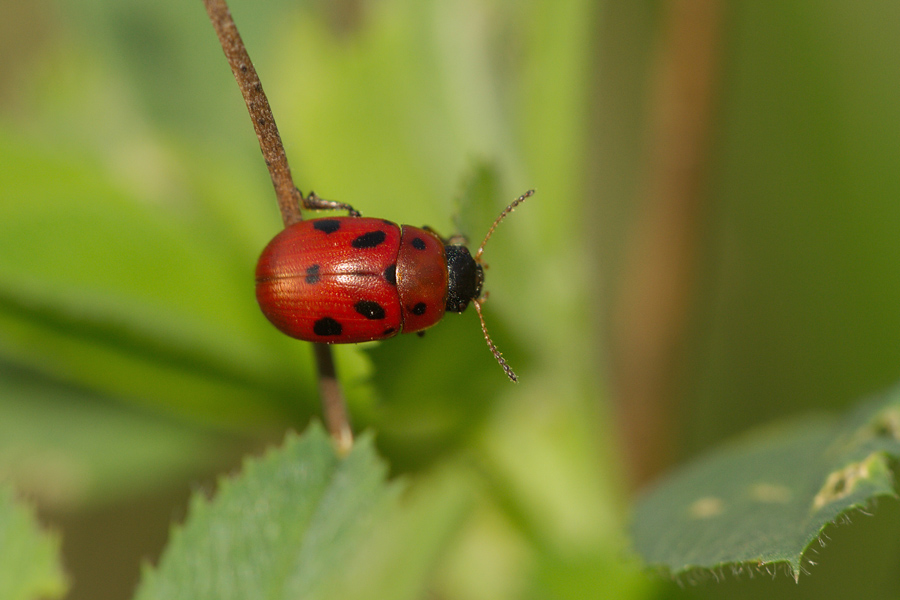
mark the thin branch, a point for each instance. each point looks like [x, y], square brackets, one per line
[260, 113]
[334, 410]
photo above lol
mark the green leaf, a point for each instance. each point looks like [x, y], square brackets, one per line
[29, 557]
[55, 444]
[760, 503]
[301, 522]
[137, 302]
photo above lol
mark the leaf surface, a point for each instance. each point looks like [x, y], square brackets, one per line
[29, 557]
[761, 502]
[301, 522]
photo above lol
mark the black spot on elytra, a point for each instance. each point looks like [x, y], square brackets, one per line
[370, 239]
[327, 326]
[390, 274]
[419, 309]
[312, 274]
[418, 243]
[370, 310]
[327, 225]
[388, 331]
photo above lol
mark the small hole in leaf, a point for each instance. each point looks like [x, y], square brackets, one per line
[843, 482]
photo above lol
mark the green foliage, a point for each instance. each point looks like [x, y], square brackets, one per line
[105, 291]
[762, 502]
[302, 523]
[29, 557]
[72, 449]
[133, 204]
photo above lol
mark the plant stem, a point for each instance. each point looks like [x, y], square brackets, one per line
[334, 410]
[654, 306]
[258, 106]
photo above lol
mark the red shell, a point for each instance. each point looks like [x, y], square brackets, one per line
[421, 278]
[341, 280]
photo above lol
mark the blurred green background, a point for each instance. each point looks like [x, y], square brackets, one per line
[135, 365]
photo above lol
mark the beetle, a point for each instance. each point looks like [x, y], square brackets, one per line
[344, 280]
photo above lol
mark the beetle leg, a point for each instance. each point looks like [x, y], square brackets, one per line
[430, 229]
[458, 240]
[313, 202]
[453, 240]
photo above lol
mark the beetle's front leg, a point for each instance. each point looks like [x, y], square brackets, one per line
[313, 202]
[453, 240]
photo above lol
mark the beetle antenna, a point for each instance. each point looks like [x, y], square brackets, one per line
[503, 364]
[477, 302]
[502, 216]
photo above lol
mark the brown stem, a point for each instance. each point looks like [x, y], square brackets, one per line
[289, 198]
[654, 306]
[260, 113]
[334, 409]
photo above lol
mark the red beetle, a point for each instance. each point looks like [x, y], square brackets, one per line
[351, 279]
